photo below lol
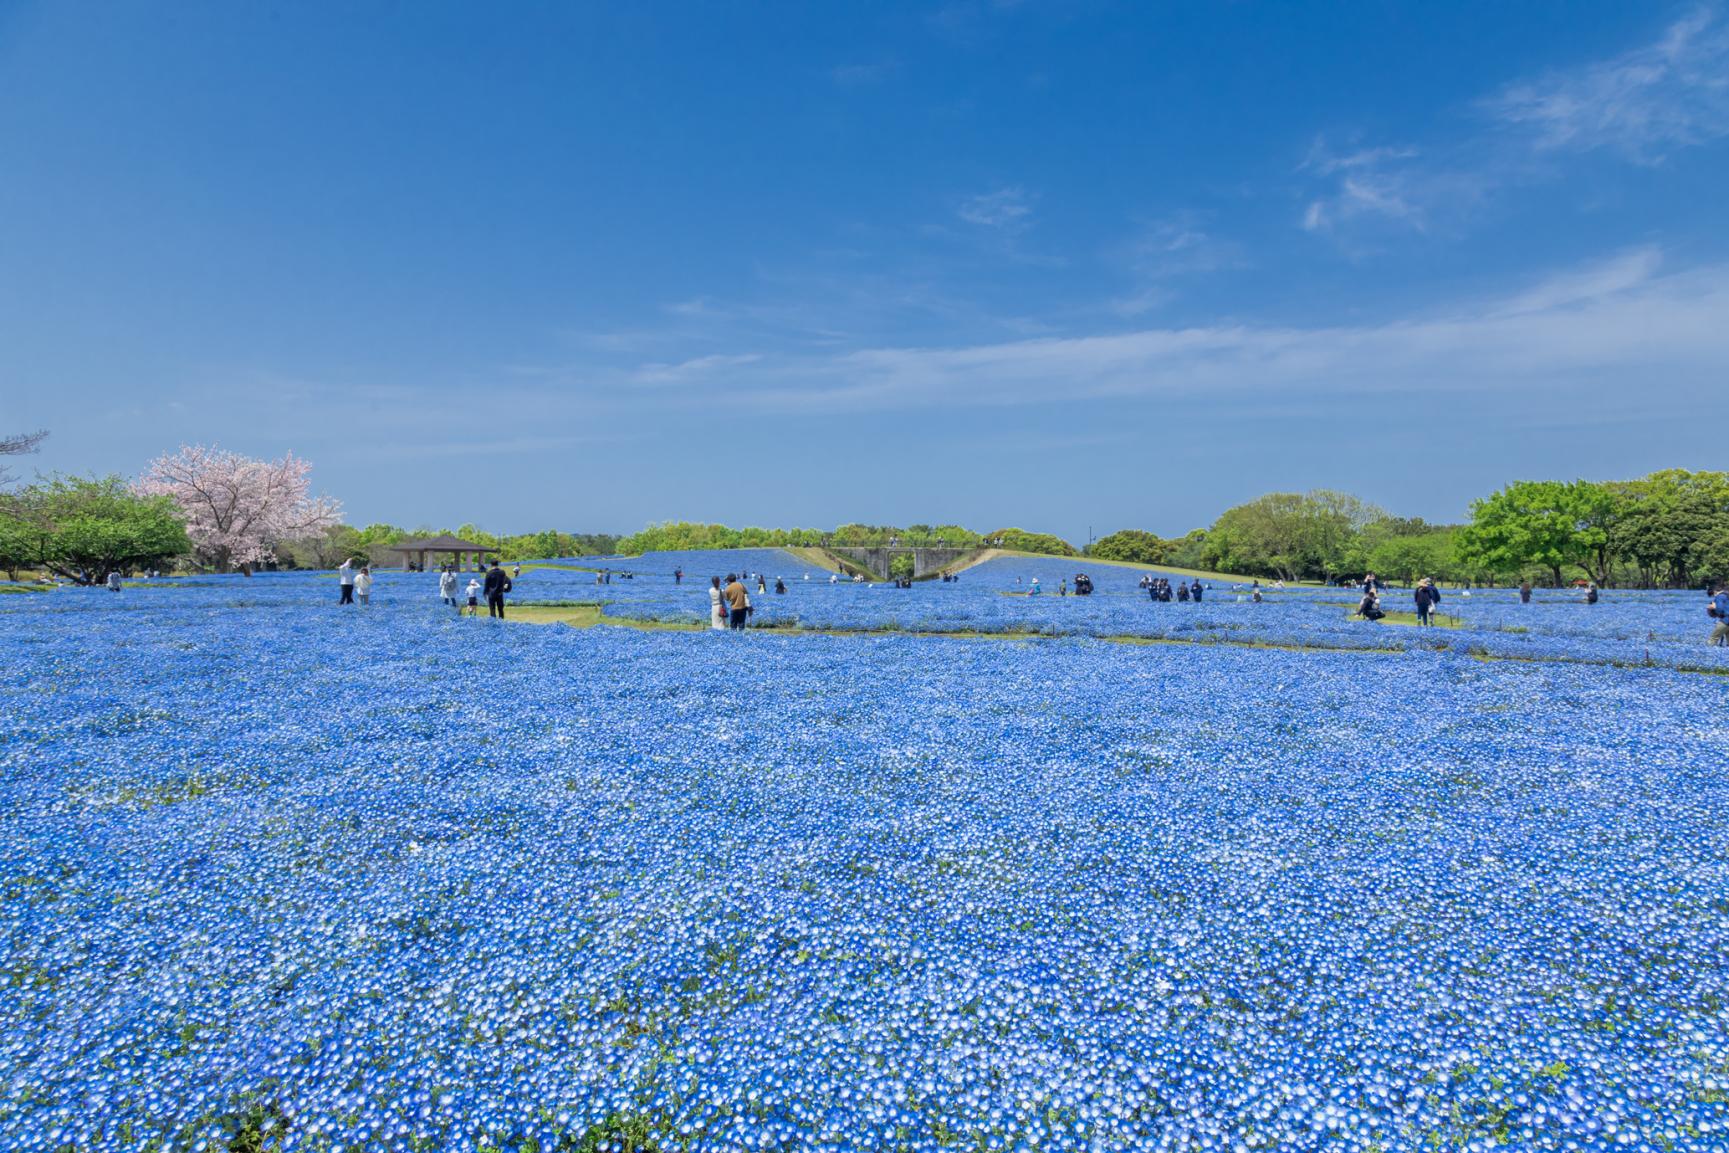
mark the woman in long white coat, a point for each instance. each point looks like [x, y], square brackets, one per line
[716, 605]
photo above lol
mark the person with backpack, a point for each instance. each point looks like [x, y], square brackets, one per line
[1427, 597]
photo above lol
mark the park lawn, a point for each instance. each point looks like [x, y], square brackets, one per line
[1410, 619]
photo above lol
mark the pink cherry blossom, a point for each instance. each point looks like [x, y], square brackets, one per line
[237, 508]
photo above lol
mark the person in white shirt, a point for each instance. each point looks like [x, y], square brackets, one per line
[345, 577]
[473, 598]
[717, 616]
[447, 588]
[363, 585]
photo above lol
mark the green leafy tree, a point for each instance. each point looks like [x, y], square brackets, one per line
[1020, 540]
[1130, 544]
[1667, 522]
[1547, 523]
[86, 528]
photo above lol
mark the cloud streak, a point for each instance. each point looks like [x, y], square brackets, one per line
[1569, 337]
[1642, 104]
[1008, 209]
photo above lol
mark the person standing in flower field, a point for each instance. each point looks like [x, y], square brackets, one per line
[345, 577]
[1427, 597]
[447, 588]
[497, 584]
[1718, 608]
[473, 597]
[716, 605]
[738, 601]
[363, 585]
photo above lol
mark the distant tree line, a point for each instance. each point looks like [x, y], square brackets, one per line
[372, 544]
[1666, 530]
[209, 509]
[684, 536]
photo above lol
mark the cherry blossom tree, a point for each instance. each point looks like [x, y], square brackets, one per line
[238, 509]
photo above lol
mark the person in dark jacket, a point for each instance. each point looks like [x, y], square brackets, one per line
[497, 584]
[1427, 597]
[1524, 592]
[1195, 591]
[1591, 593]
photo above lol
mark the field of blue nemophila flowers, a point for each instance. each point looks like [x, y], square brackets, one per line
[279, 875]
[1625, 627]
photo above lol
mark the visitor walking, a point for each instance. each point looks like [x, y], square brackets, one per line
[1195, 591]
[1426, 596]
[447, 588]
[1525, 592]
[363, 585]
[716, 605]
[738, 602]
[779, 587]
[1718, 609]
[497, 584]
[677, 576]
[345, 577]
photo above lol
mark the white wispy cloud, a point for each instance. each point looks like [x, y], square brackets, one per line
[1588, 329]
[1644, 103]
[1164, 250]
[1388, 183]
[694, 370]
[1009, 209]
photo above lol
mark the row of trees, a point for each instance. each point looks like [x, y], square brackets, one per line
[217, 509]
[373, 543]
[1669, 529]
[683, 536]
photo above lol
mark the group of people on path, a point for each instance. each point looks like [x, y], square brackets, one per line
[1161, 590]
[1425, 596]
[496, 584]
[356, 587]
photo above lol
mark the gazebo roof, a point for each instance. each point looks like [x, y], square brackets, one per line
[444, 543]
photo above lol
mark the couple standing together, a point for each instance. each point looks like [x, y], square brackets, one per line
[728, 606]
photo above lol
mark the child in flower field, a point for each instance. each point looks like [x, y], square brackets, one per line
[473, 597]
[363, 585]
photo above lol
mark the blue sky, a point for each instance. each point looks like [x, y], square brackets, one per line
[1070, 267]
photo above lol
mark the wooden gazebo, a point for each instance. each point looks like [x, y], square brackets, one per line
[414, 550]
